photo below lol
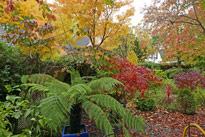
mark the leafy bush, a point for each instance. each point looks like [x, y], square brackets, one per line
[10, 68]
[133, 77]
[146, 103]
[150, 65]
[186, 102]
[173, 71]
[200, 97]
[171, 106]
[160, 73]
[10, 111]
[19, 118]
[190, 80]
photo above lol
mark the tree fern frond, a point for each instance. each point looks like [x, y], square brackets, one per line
[36, 87]
[78, 91]
[75, 77]
[97, 114]
[55, 108]
[37, 78]
[126, 133]
[58, 87]
[134, 122]
[104, 84]
[45, 82]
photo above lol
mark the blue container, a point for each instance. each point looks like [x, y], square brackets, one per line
[82, 134]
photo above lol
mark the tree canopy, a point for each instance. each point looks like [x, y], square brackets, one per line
[97, 19]
[180, 27]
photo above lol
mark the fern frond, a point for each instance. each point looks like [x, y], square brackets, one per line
[134, 122]
[37, 78]
[36, 87]
[55, 108]
[57, 87]
[97, 114]
[126, 133]
[75, 77]
[79, 92]
[44, 82]
[104, 84]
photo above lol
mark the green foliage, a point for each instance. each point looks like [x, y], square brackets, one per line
[186, 102]
[99, 116]
[158, 96]
[104, 84]
[75, 77]
[38, 125]
[150, 65]
[15, 109]
[172, 106]
[136, 123]
[173, 71]
[200, 97]
[13, 65]
[11, 110]
[147, 103]
[58, 105]
[54, 108]
[160, 73]
[141, 53]
[10, 68]
[44, 82]
[169, 81]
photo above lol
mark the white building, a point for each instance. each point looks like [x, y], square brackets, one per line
[155, 58]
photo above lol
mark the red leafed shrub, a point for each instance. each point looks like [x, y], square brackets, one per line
[190, 79]
[132, 76]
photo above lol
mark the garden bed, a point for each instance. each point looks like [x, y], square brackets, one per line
[159, 123]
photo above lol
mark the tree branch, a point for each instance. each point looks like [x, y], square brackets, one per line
[197, 19]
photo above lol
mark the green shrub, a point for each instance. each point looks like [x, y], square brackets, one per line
[200, 97]
[186, 102]
[173, 71]
[158, 96]
[145, 104]
[10, 68]
[171, 106]
[10, 111]
[150, 65]
[160, 73]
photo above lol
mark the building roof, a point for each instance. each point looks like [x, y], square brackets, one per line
[80, 42]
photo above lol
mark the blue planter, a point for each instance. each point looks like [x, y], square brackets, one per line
[82, 134]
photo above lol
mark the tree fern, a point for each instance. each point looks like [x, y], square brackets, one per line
[61, 98]
[104, 84]
[98, 115]
[134, 122]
